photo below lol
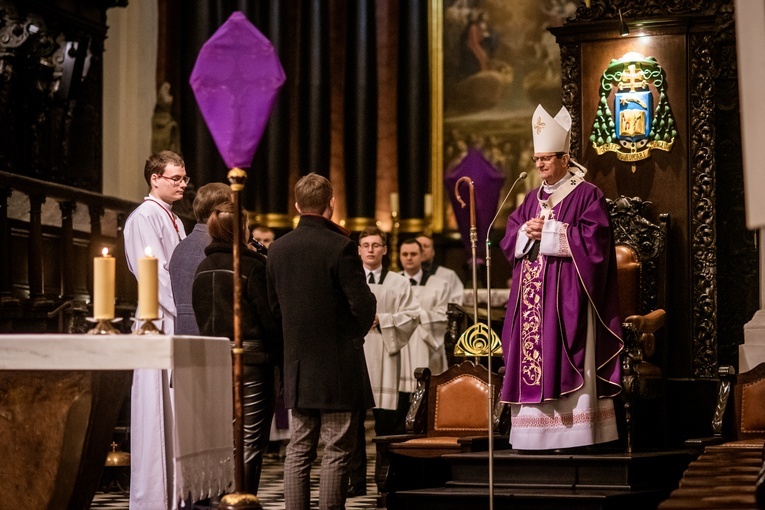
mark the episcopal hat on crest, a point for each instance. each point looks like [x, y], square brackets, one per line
[551, 134]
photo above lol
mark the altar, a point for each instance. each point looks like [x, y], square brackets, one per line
[59, 400]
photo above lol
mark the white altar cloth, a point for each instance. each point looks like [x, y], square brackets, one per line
[200, 407]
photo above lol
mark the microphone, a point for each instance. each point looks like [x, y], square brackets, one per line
[522, 176]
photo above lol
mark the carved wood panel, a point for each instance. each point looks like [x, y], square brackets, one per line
[50, 89]
[705, 266]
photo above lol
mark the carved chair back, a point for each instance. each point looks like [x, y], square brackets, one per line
[641, 255]
[455, 402]
[745, 420]
[641, 266]
[458, 400]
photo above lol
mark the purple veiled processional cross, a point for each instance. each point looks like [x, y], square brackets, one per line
[235, 80]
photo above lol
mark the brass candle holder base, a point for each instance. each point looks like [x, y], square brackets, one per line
[148, 327]
[103, 326]
[239, 501]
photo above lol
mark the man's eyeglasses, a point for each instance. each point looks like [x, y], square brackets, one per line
[374, 246]
[546, 159]
[177, 180]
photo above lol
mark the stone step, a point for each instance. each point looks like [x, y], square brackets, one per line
[477, 498]
[599, 470]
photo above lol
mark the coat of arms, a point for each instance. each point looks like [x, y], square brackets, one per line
[635, 127]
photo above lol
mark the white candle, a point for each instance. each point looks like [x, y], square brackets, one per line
[148, 287]
[428, 205]
[103, 286]
[394, 202]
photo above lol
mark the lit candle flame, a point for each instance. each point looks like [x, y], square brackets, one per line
[105, 251]
[147, 251]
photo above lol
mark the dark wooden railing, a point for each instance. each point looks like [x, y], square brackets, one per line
[46, 254]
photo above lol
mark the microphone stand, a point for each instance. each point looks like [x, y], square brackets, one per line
[490, 341]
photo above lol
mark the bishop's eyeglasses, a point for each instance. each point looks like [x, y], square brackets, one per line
[546, 159]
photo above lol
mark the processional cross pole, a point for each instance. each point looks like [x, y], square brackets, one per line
[235, 80]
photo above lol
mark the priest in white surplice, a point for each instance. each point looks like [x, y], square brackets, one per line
[426, 346]
[456, 287]
[396, 319]
[153, 225]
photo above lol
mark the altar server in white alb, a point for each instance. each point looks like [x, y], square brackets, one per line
[456, 287]
[153, 225]
[398, 314]
[395, 320]
[426, 346]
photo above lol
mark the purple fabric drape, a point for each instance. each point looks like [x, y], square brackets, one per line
[488, 182]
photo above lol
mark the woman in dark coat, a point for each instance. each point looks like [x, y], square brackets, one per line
[212, 298]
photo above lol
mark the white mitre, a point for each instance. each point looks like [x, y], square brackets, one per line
[551, 134]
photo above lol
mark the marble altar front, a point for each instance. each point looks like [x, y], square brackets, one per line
[60, 396]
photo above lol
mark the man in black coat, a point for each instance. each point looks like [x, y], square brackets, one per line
[317, 288]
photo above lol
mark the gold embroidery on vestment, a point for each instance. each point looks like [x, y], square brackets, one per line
[531, 306]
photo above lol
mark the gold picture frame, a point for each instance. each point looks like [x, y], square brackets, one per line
[436, 52]
[521, 80]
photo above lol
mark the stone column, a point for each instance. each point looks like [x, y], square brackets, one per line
[360, 114]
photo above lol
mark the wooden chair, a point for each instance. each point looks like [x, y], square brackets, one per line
[743, 420]
[729, 472]
[641, 265]
[449, 414]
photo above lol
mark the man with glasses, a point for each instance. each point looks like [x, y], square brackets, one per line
[153, 225]
[561, 337]
[396, 319]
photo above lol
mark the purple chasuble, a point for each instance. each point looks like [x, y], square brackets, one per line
[545, 329]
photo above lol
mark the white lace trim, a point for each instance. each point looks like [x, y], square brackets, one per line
[563, 248]
[204, 474]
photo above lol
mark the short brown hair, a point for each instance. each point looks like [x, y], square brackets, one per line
[374, 231]
[156, 163]
[313, 193]
[220, 224]
[412, 240]
[208, 196]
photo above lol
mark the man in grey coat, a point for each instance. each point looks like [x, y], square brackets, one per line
[190, 252]
[317, 288]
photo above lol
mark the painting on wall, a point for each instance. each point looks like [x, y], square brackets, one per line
[494, 62]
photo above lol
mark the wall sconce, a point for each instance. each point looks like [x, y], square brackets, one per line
[624, 30]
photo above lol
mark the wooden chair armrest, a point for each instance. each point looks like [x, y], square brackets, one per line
[481, 443]
[699, 443]
[648, 323]
[396, 438]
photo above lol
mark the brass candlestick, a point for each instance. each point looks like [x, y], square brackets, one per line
[394, 242]
[103, 326]
[148, 327]
[428, 216]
